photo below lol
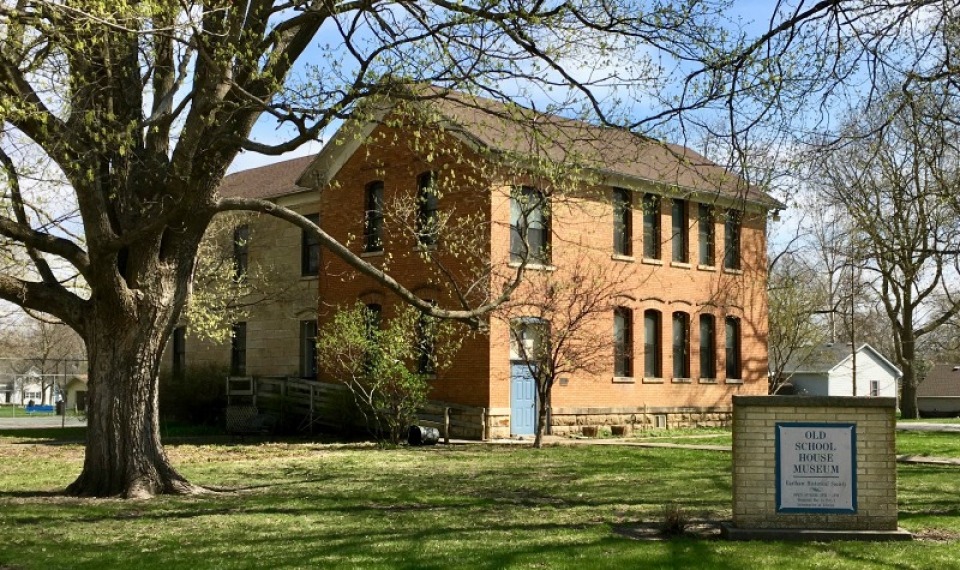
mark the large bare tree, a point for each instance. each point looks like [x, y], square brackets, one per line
[892, 179]
[138, 108]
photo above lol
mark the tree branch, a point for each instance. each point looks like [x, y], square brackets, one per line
[471, 316]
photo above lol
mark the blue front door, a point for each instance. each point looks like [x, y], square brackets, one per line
[523, 400]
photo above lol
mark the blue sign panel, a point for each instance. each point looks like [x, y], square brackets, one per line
[816, 467]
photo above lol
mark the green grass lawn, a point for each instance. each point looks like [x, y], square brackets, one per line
[314, 505]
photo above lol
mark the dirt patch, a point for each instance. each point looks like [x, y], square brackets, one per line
[698, 529]
[936, 535]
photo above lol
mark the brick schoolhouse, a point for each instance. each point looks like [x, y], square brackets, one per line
[449, 196]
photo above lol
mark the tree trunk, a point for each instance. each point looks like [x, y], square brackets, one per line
[908, 388]
[543, 407]
[124, 456]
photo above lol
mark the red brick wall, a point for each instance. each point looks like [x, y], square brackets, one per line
[582, 226]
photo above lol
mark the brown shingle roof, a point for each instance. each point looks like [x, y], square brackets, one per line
[270, 181]
[522, 132]
[943, 380]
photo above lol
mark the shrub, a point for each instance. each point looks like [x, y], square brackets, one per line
[376, 363]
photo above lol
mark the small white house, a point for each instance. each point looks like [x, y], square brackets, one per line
[827, 370]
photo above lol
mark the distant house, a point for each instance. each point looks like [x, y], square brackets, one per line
[939, 392]
[827, 370]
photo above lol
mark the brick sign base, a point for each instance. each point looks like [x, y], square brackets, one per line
[816, 468]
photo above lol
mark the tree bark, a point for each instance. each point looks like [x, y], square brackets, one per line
[124, 456]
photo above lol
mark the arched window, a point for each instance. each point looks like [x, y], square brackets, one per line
[681, 345]
[427, 207]
[529, 226]
[651, 226]
[373, 218]
[652, 344]
[623, 342]
[622, 222]
[708, 346]
[734, 363]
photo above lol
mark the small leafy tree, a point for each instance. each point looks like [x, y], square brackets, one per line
[379, 365]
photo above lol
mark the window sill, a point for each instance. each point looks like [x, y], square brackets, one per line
[309, 277]
[702, 267]
[682, 381]
[534, 266]
[708, 380]
[734, 380]
[619, 257]
[680, 264]
[647, 380]
[732, 271]
[651, 261]
[624, 380]
[372, 253]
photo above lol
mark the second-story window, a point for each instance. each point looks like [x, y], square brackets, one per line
[310, 250]
[622, 222]
[373, 218]
[731, 240]
[706, 235]
[678, 239]
[651, 226]
[427, 210]
[241, 251]
[529, 226]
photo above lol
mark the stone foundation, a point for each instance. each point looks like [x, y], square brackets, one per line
[572, 421]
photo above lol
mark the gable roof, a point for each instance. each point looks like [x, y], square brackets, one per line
[270, 181]
[619, 156]
[942, 380]
[824, 358]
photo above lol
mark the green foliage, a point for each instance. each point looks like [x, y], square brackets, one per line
[198, 396]
[383, 366]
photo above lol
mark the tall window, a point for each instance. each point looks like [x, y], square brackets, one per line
[427, 207]
[179, 350]
[622, 342]
[373, 218]
[622, 222]
[426, 344]
[374, 317]
[651, 226]
[733, 348]
[706, 235]
[708, 346]
[678, 215]
[529, 226]
[308, 349]
[874, 388]
[731, 240]
[238, 350]
[681, 345]
[651, 344]
[310, 250]
[241, 251]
